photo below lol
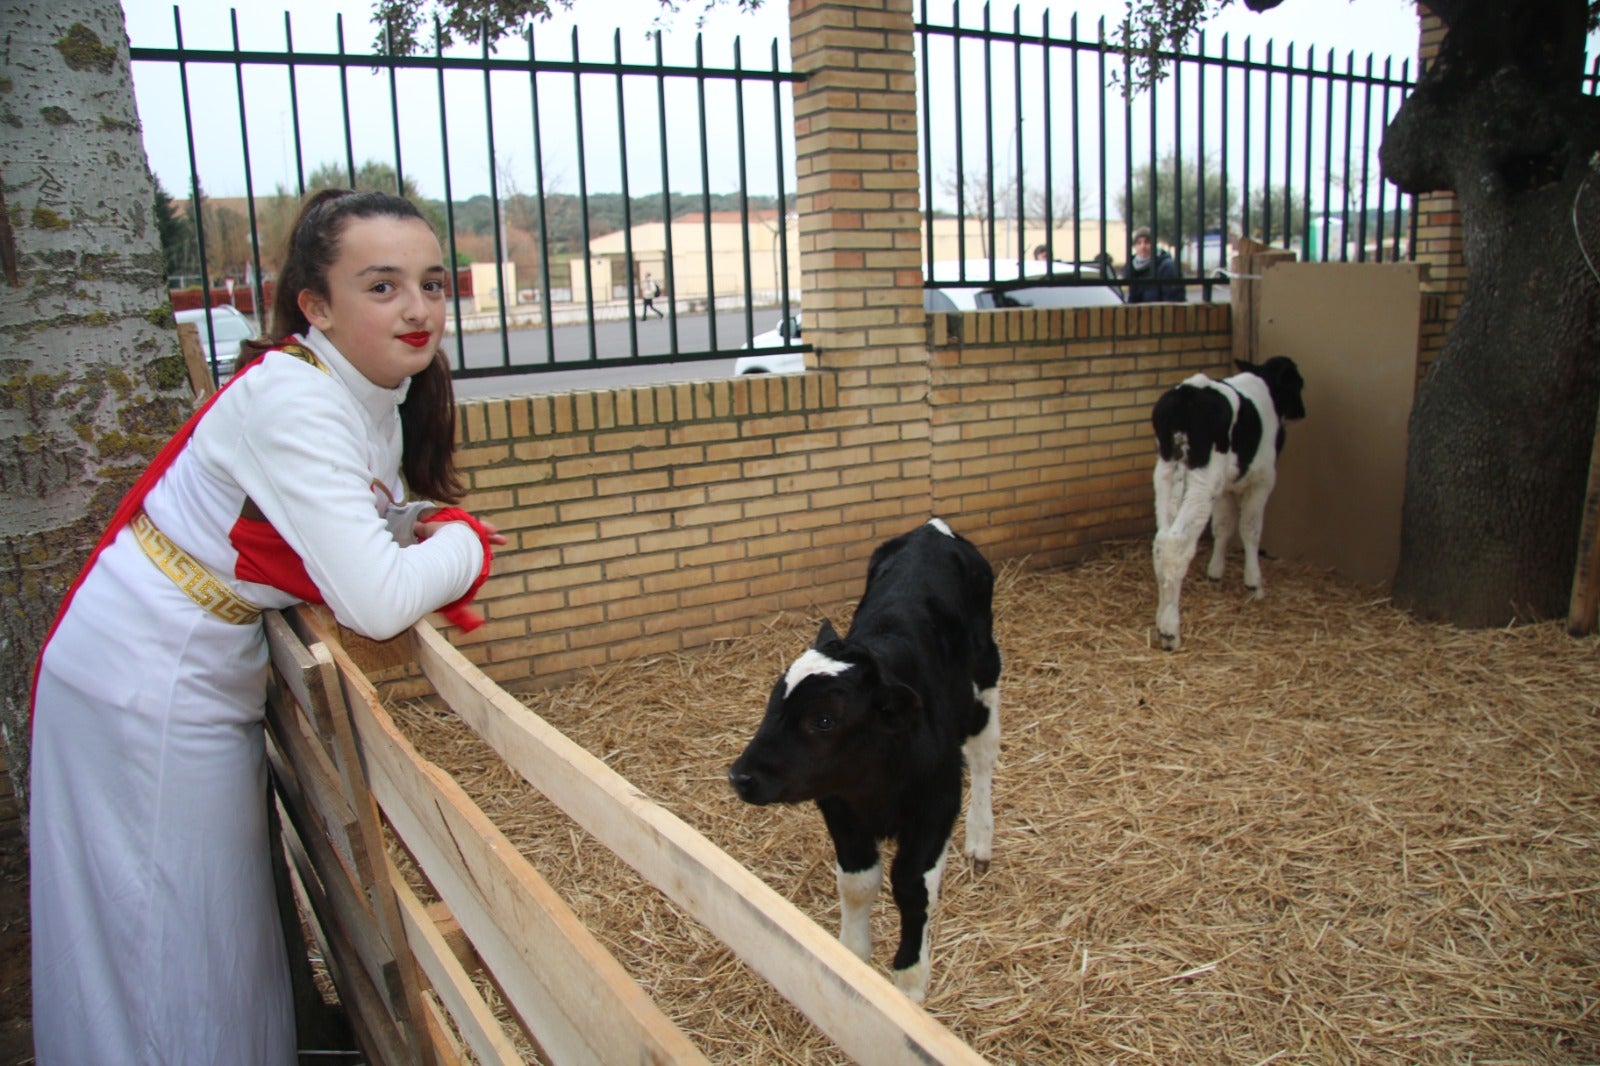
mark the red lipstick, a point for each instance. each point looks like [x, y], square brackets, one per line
[417, 339]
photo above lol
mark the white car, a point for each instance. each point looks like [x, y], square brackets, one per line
[781, 334]
[1003, 287]
[230, 327]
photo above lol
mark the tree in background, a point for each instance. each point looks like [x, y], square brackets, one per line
[1503, 422]
[177, 239]
[1207, 214]
[1277, 217]
[405, 27]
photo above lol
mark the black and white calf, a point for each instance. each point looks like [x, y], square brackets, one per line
[874, 727]
[1216, 465]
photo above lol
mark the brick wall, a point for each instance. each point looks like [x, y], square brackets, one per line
[661, 518]
[1041, 443]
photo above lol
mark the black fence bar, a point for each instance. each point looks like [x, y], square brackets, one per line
[666, 198]
[545, 295]
[583, 198]
[705, 188]
[627, 210]
[344, 102]
[496, 220]
[783, 207]
[249, 186]
[449, 200]
[394, 117]
[196, 202]
[744, 196]
[294, 113]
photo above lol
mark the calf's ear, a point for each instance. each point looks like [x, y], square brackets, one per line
[899, 708]
[825, 634]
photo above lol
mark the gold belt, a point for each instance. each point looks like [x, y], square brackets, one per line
[191, 575]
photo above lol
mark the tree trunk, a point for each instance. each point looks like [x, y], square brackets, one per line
[93, 381]
[1504, 420]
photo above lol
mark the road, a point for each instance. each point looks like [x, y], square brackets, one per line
[614, 342]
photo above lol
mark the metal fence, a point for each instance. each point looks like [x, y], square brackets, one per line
[1044, 148]
[612, 120]
[1038, 148]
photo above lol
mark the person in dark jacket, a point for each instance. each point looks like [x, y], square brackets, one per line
[1151, 273]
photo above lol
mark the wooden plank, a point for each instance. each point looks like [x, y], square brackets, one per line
[342, 902]
[445, 924]
[1585, 604]
[366, 1005]
[844, 997]
[194, 360]
[296, 667]
[451, 982]
[367, 843]
[315, 682]
[576, 1000]
[307, 777]
[578, 1003]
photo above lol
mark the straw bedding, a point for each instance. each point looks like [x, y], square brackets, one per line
[1321, 832]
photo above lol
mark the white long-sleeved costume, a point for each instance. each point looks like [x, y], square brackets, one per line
[155, 934]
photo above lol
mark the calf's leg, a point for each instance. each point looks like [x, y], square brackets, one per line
[1175, 546]
[1224, 523]
[1252, 515]
[859, 874]
[982, 751]
[1168, 479]
[857, 891]
[916, 892]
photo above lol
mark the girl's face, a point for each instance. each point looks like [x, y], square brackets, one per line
[384, 309]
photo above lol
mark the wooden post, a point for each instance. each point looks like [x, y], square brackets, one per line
[1249, 262]
[1585, 605]
[195, 359]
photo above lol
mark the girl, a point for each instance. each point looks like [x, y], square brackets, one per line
[155, 934]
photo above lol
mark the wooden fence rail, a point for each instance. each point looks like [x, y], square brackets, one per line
[408, 973]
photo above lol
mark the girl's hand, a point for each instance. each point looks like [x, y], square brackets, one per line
[425, 529]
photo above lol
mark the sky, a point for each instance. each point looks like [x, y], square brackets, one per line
[1383, 28]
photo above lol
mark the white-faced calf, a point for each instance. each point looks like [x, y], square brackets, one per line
[874, 726]
[1215, 465]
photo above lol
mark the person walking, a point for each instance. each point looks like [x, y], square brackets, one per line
[650, 290]
[156, 936]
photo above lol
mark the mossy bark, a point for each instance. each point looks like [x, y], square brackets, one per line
[91, 380]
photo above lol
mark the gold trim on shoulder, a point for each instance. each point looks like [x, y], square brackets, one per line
[305, 355]
[189, 574]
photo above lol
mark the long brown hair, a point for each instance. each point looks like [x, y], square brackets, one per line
[428, 415]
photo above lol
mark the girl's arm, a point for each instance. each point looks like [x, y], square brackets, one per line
[302, 457]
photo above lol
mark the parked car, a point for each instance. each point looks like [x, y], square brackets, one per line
[1039, 284]
[230, 326]
[783, 333]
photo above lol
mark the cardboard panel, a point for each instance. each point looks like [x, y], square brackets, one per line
[1352, 328]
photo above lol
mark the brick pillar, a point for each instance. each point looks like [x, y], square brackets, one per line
[860, 237]
[1439, 238]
